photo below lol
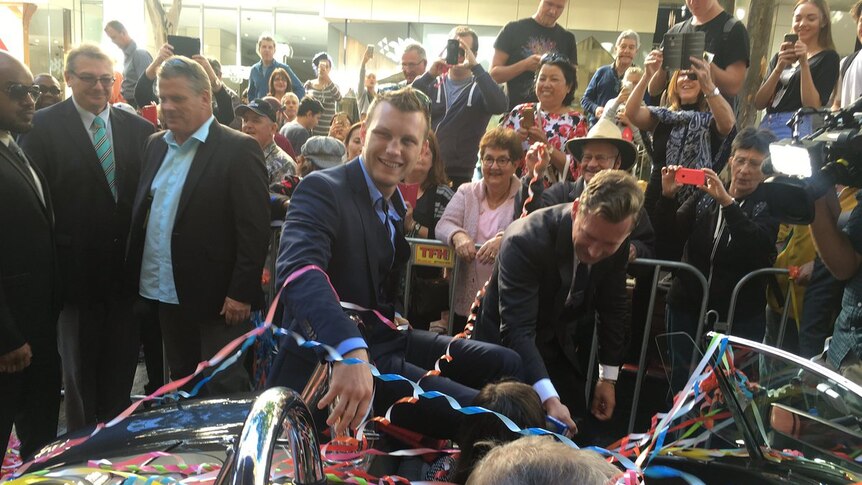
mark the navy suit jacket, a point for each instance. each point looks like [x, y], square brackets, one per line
[526, 303]
[221, 231]
[331, 224]
[91, 228]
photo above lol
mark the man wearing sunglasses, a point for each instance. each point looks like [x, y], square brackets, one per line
[50, 92]
[91, 156]
[29, 297]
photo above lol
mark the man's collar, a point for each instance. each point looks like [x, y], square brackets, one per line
[373, 191]
[200, 135]
[5, 138]
[88, 117]
[130, 49]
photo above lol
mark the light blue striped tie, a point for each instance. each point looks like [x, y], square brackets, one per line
[105, 152]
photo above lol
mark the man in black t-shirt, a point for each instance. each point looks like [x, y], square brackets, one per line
[521, 44]
[726, 38]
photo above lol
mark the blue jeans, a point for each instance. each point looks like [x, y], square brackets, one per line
[777, 124]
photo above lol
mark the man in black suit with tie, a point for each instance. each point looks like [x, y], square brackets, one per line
[29, 294]
[90, 154]
[554, 267]
[347, 221]
[200, 227]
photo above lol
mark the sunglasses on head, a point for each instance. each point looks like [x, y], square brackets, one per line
[20, 91]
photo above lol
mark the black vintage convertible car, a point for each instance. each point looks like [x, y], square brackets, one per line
[750, 414]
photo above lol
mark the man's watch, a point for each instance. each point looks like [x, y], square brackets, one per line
[715, 92]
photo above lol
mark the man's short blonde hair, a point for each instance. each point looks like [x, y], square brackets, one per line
[612, 194]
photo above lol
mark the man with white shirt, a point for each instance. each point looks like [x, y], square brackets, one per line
[90, 154]
[554, 267]
[29, 293]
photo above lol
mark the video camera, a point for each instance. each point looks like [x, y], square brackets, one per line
[811, 166]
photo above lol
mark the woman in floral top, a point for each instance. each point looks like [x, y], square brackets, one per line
[555, 121]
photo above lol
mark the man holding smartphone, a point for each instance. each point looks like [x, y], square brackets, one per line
[462, 102]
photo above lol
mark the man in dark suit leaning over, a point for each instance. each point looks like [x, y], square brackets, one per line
[555, 266]
[348, 221]
[200, 226]
[29, 290]
[90, 154]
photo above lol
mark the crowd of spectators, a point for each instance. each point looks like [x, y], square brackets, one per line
[162, 237]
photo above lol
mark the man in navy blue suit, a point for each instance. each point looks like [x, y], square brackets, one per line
[348, 222]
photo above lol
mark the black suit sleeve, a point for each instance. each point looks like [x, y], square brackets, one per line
[518, 282]
[250, 198]
[10, 337]
[224, 113]
[643, 236]
[672, 224]
[144, 93]
[307, 238]
[611, 305]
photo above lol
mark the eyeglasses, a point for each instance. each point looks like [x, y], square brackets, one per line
[92, 80]
[588, 157]
[488, 161]
[49, 89]
[19, 92]
[424, 99]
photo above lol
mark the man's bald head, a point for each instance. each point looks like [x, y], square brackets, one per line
[17, 105]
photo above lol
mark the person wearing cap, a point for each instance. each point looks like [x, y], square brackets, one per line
[555, 266]
[259, 122]
[318, 153]
[603, 148]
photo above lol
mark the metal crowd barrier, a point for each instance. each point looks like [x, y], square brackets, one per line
[784, 314]
[658, 265]
[274, 240]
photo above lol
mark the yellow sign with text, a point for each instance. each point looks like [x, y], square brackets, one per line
[433, 255]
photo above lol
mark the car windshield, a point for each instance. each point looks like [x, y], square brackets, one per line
[780, 407]
[795, 408]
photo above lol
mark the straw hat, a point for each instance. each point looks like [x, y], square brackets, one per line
[607, 131]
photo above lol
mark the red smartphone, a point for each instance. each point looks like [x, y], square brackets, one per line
[690, 176]
[410, 193]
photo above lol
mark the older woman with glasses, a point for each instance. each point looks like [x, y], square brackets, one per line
[479, 213]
